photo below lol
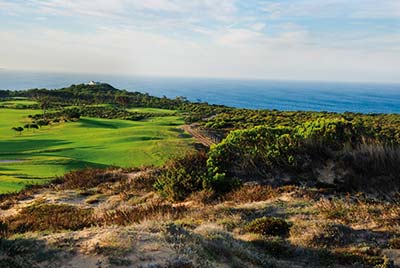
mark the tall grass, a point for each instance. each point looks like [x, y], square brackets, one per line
[375, 158]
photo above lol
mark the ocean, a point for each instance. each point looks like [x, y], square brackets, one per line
[242, 93]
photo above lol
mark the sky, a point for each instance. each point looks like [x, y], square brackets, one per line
[333, 40]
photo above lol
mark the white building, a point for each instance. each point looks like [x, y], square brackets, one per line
[93, 83]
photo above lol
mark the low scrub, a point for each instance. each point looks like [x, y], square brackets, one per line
[86, 178]
[185, 175]
[252, 193]
[53, 217]
[394, 243]
[256, 152]
[149, 211]
[269, 226]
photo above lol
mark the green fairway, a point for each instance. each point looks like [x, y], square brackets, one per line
[39, 155]
[152, 110]
[17, 103]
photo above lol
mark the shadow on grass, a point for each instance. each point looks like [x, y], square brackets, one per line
[16, 146]
[266, 252]
[107, 124]
[181, 133]
[78, 164]
[250, 214]
[138, 139]
[26, 253]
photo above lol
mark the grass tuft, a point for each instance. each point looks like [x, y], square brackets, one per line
[269, 226]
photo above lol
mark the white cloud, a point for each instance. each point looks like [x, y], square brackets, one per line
[258, 26]
[125, 9]
[198, 37]
[234, 37]
[234, 52]
[333, 8]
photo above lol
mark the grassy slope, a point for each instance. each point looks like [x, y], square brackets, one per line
[17, 102]
[94, 142]
[152, 110]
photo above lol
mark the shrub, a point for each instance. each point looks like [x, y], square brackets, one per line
[269, 226]
[185, 175]
[260, 151]
[182, 176]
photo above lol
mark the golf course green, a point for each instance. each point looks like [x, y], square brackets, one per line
[36, 156]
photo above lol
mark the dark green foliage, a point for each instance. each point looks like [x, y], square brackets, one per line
[72, 114]
[183, 176]
[5, 94]
[43, 122]
[95, 94]
[383, 126]
[31, 126]
[18, 129]
[250, 152]
[106, 112]
[258, 151]
[269, 226]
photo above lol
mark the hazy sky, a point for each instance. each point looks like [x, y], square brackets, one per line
[355, 40]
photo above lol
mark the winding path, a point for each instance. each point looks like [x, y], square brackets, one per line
[200, 137]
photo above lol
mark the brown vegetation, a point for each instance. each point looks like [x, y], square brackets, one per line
[253, 226]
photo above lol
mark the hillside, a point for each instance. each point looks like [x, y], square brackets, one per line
[115, 219]
[259, 188]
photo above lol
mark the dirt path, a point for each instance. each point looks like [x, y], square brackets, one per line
[201, 138]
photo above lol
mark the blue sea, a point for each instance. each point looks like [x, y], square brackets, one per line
[255, 94]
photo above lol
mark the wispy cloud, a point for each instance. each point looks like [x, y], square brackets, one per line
[300, 39]
[333, 8]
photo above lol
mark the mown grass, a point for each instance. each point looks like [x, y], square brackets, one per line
[91, 142]
[17, 103]
[152, 110]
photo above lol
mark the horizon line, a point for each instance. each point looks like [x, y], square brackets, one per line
[281, 79]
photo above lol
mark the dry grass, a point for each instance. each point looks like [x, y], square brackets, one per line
[320, 234]
[49, 217]
[252, 193]
[149, 211]
[329, 230]
[375, 158]
[356, 212]
[87, 178]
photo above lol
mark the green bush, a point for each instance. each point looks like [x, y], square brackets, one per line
[185, 175]
[258, 151]
[268, 226]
